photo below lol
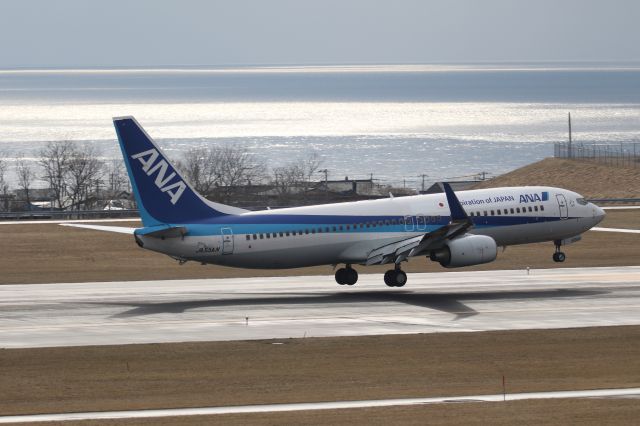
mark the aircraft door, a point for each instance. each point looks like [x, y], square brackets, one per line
[408, 223]
[562, 203]
[227, 240]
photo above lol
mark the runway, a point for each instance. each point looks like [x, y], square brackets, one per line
[47, 315]
[333, 405]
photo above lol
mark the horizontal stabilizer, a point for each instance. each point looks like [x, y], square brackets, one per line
[117, 229]
[165, 232]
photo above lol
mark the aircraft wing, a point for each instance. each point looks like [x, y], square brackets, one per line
[623, 230]
[118, 229]
[414, 246]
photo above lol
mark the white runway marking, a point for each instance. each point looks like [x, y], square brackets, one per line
[38, 222]
[623, 230]
[47, 315]
[337, 405]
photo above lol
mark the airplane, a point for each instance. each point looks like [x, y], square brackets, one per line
[453, 229]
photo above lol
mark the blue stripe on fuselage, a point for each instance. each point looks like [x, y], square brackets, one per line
[257, 224]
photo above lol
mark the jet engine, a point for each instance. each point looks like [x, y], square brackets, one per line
[466, 251]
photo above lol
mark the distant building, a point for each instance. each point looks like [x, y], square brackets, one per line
[460, 185]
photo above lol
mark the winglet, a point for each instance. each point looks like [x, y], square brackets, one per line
[457, 212]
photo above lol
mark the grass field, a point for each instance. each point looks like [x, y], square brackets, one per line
[317, 369]
[49, 253]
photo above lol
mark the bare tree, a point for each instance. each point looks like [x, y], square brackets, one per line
[201, 167]
[4, 187]
[54, 161]
[289, 179]
[219, 171]
[26, 175]
[310, 164]
[116, 177]
[296, 176]
[84, 173]
[238, 167]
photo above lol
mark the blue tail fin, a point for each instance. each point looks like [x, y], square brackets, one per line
[163, 196]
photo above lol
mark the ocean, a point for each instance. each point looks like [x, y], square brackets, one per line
[392, 122]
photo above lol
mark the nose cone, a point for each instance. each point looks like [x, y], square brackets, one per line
[598, 214]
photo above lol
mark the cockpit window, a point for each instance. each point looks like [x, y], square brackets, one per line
[582, 201]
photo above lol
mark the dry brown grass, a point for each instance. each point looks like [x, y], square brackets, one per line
[316, 369]
[591, 179]
[53, 253]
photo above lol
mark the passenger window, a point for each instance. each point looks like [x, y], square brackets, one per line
[530, 209]
[492, 213]
[517, 209]
[341, 227]
[334, 229]
[541, 208]
[499, 212]
[255, 237]
[275, 235]
[281, 234]
[535, 208]
[512, 212]
[485, 213]
[248, 237]
[287, 233]
[262, 236]
[268, 235]
[306, 231]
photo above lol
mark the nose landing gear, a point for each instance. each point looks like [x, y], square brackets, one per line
[348, 276]
[558, 256]
[395, 277]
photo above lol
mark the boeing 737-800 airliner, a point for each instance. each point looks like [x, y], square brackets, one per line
[453, 229]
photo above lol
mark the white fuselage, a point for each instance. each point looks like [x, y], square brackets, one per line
[348, 232]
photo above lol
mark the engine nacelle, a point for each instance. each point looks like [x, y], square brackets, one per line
[466, 251]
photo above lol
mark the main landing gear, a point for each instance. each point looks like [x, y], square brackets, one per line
[395, 277]
[558, 256]
[348, 276]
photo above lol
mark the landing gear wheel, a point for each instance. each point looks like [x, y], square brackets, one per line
[348, 276]
[559, 256]
[395, 278]
[387, 278]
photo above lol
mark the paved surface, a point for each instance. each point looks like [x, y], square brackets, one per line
[270, 408]
[45, 315]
